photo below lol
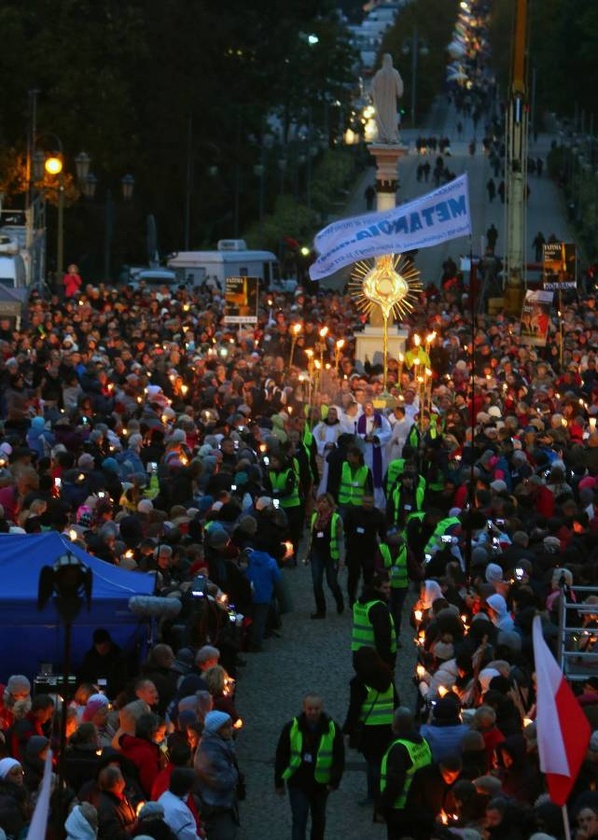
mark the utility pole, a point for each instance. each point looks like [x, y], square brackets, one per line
[516, 169]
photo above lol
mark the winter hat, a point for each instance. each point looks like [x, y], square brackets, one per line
[565, 574]
[7, 764]
[145, 506]
[18, 684]
[593, 746]
[498, 486]
[217, 537]
[38, 423]
[263, 502]
[93, 705]
[509, 639]
[485, 676]
[247, 525]
[35, 745]
[110, 465]
[493, 573]
[86, 461]
[82, 818]
[212, 723]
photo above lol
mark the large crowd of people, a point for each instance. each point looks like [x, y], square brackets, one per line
[160, 439]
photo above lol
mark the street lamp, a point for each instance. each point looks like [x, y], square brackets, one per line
[89, 183]
[415, 47]
[53, 164]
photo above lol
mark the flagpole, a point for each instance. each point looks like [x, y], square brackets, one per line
[566, 825]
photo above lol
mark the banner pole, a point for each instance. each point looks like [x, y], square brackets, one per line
[566, 822]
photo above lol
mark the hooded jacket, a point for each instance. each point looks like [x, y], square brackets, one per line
[503, 619]
[77, 827]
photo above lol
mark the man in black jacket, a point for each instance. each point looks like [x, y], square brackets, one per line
[116, 815]
[365, 527]
[310, 758]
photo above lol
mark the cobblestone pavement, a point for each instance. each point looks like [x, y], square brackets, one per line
[310, 655]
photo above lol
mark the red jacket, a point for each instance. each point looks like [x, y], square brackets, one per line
[146, 756]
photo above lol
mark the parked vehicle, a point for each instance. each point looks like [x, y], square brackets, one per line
[231, 259]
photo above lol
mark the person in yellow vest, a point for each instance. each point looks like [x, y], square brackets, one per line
[395, 558]
[407, 497]
[356, 481]
[404, 757]
[372, 701]
[310, 759]
[372, 622]
[283, 485]
[326, 553]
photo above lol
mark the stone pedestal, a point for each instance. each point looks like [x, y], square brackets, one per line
[387, 176]
[370, 344]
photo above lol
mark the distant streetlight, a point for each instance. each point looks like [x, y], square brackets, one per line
[89, 183]
[415, 47]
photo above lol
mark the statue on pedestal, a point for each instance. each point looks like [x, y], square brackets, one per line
[387, 89]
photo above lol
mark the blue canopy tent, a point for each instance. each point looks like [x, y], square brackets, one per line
[29, 636]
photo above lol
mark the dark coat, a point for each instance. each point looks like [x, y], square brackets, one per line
[116, 817]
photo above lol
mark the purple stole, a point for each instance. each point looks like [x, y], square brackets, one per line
[377, 453]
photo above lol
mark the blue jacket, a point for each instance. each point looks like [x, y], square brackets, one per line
[263, 573]
[216, 768]
[444, 740]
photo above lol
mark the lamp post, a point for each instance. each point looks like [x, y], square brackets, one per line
[89, 183]
[53, 165]
[415, 47]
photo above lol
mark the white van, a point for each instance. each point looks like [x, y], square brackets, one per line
[13, 272]
[231, 259]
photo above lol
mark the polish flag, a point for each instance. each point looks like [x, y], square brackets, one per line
[563, 730]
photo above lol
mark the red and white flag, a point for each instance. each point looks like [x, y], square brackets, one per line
[563, 730]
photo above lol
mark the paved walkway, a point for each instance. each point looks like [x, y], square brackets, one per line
[310, 656]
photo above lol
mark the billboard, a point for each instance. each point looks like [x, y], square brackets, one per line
[241, 300]
[559, 266]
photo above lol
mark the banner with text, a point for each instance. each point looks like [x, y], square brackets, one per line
[240, 300]
[559, 266]
[428, 220]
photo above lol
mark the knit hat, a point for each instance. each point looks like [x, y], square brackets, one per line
[263, 502]
[35, 745]
[493, 573]
[213, 722]
[498, 486]
[7, 764]
[18, 684]
[93, 705]
[217, 537]
[145, 506]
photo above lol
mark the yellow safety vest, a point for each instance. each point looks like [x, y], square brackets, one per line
[363, 631]
[397, 566]
[420, 755]
[334, 542]
[352, 487]
[278, 480]
[323, 768]
[378, 707]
